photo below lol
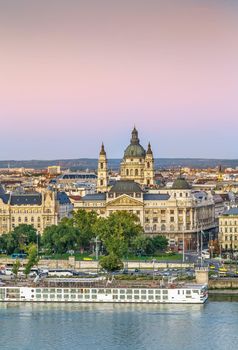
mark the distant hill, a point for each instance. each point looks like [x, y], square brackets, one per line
[91, 164]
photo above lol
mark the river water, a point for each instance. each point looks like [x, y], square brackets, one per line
[122, 327]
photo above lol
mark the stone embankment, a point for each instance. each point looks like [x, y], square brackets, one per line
[82, 265]
[223, 286]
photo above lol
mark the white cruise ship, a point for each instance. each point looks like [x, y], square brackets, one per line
[186, 294]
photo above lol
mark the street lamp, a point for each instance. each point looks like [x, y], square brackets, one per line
[37, 242]
[97, 242]
[183, 245]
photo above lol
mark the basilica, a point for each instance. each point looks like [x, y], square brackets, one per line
[137, 165]
[177, 212]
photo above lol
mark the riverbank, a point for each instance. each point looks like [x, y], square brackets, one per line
[223, 292]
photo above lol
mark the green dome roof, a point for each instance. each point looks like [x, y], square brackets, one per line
[134, 149]
[181, 184]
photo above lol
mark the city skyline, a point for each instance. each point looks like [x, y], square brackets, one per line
[74, 74]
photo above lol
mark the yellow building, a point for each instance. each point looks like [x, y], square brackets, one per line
[37, 209]
[228, 229]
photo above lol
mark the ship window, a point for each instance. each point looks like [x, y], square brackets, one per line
[151, 297]
[143, 297]
[143, 291]
[122, 297]
[94, 297]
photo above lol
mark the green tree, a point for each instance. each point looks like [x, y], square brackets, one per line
[17, 240]
[33, 258]
[15, 268]
[111, 262]
[85, 223]
[118, 232]
[61, 238]
[160, 243]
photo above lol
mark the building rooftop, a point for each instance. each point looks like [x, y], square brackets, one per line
[181, 184]
[94, 197]
[156, 196]
[231, 211]
[126, 186]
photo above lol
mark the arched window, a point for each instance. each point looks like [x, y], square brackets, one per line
[148, 164]
[131, 172]
[171, 227]
[136, 172]
[101, 182]
[101, 164]
[163, 227]
[127, 172]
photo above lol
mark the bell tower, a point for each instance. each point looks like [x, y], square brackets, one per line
[102, 181]
[149, 173]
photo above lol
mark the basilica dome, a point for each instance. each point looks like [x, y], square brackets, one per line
[134, 149]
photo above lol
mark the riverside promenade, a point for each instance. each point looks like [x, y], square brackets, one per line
[92, 265]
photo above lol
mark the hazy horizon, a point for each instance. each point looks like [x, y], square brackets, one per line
[76, 73]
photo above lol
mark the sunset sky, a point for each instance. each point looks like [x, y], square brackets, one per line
[74, 73]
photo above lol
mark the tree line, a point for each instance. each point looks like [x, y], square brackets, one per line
[120, 235]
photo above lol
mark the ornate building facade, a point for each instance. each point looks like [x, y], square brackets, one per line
[175, 213]
[138, 164]
[37, 209]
